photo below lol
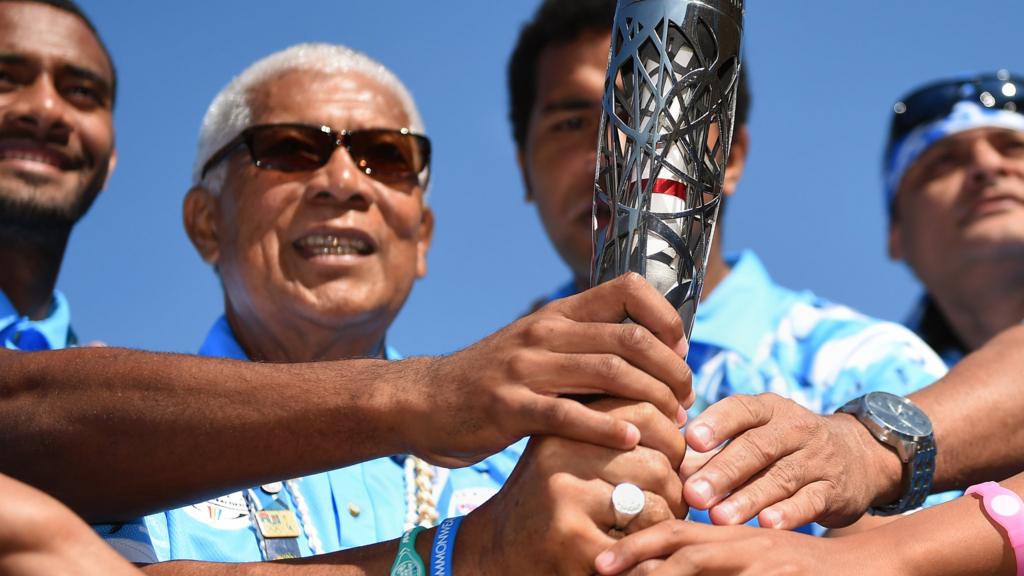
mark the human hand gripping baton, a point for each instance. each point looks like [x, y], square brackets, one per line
[667, 124]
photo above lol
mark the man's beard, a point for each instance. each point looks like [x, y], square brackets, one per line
[23, 215]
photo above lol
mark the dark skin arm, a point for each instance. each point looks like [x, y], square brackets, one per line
[104, 429]
[117, 433]
[976, 411]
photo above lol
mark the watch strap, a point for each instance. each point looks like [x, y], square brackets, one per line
[919, 473]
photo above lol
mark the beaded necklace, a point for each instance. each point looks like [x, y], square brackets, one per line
[420, 502]
[305, 518]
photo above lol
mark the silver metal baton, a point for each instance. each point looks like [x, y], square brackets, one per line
[669, 105]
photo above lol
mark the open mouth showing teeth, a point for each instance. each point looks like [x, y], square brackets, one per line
[330, 245]
[35, 156]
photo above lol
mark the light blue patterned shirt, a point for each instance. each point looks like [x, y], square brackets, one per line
[352, 506]
[752, 336]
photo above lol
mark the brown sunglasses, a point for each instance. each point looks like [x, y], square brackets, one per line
[386, 155]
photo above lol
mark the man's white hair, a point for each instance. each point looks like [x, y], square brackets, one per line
[231, 112]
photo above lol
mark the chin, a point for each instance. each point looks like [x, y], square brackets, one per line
[994, 244]
[343, 307]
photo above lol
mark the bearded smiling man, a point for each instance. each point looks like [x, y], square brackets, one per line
[56, 151]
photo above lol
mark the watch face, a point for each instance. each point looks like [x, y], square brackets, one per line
[898, 413]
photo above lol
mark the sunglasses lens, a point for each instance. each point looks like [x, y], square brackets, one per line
[390, 154]
[290, 148]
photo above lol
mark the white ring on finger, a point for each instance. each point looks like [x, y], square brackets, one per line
[628, 501]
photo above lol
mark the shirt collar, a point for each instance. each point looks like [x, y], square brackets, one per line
[221, 343]
[737, 313]
[55, 328]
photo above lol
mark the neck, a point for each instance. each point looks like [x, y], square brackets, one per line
[299, 340]
[30, 263]
[981, 301]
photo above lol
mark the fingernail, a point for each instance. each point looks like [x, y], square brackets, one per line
[681, 416]
[703, 490]
[632, 434]
[728, 510]
[605, 560]
[770, 518]
[704, 435]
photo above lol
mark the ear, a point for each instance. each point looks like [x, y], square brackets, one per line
[111, 164]
[521, 160]
[201, 213]
[737, 159]
[895, 239]
[423, 244]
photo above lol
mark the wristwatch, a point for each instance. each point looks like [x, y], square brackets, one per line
[899, 424]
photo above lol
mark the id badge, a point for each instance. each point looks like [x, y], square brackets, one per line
[280, 531]
[277, 523]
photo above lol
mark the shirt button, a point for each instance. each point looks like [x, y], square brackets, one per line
[353, 509]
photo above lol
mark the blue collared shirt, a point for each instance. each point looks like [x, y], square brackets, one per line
[752, 336]
[352, 506]
[54, 332]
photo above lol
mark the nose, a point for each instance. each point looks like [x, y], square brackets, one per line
[986, 162]
[341, 181]
[39, 110]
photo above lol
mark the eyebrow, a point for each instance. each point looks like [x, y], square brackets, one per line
[86, 74]
[9, 58]
[72, 69]
[570, 104]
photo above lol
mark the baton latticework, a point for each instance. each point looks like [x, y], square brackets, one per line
[669, 103]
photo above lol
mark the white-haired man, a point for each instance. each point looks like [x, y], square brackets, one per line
[308, 200]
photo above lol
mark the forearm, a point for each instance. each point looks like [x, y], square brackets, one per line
[955, 539]
[976, 411]
[117, 433]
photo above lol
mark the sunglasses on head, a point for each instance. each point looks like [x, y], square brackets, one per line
[999, 91]
[387, 155]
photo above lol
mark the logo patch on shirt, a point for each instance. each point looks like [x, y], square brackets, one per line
[225, 513]
[466, 500]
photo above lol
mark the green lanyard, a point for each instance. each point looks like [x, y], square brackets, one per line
[408, 561]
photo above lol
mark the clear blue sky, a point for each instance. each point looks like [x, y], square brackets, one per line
[823, 76]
